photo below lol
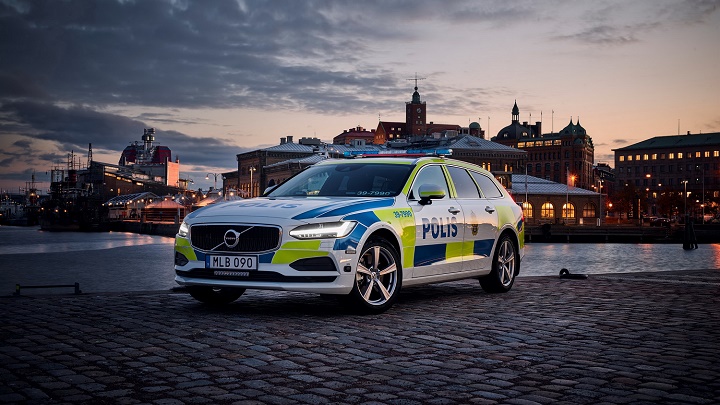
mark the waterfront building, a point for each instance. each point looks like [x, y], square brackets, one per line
[565, 156]
[548, 202]
[670, 175]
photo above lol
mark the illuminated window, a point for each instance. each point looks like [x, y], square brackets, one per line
[654, 156]
[568, 210]
[527, 209]
[589, 210]
[637, 157]
[680, 155]
[645, 157]
[697, 154]
[622, 158]
[716, 153]
[629, 158]
[707, 153]
[671, 156]
[547, 210]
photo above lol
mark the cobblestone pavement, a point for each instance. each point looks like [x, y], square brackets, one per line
[622, 338]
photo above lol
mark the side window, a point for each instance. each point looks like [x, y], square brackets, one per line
[429, 175]
[464, 185]
[487, 185]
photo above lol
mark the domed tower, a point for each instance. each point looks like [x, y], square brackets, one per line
[515, 130]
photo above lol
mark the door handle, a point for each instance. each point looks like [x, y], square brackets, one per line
[489, 209]
[453, 210]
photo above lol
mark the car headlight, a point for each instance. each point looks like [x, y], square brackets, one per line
[323, 230]
[184, 230]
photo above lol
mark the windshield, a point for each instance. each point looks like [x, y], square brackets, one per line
[346, 180]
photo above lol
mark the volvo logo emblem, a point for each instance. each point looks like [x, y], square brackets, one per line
[232, 237]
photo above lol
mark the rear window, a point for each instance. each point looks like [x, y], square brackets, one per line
[487, 185]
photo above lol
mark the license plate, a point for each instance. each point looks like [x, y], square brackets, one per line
[231, 262]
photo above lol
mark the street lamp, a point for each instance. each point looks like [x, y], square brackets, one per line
[685, 183]
[567, 197]
[215, 175]
[252, 170]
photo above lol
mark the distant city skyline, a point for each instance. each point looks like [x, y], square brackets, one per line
[217, 79]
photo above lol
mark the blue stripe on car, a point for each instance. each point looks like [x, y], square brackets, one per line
[483, 247]
[361, 206]
[429, 254]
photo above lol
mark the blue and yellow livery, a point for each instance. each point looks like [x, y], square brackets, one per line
[360, 228]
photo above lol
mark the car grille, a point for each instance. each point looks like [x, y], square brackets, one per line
[250, 238]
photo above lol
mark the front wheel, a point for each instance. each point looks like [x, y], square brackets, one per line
[378, 278]
[505, 266]
[215, 295]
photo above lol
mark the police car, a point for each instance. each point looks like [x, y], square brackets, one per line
[359, 228]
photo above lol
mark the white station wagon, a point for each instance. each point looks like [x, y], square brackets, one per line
[359, 228]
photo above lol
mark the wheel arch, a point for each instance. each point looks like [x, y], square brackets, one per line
[389, 236]
[516, 244]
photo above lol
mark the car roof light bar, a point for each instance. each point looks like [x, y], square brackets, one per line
[407, 153]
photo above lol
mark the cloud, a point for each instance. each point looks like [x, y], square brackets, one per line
[73, 128]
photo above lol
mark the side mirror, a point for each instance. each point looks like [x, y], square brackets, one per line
[429, 192]
[269, 189]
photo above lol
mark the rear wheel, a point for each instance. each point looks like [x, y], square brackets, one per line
[378, 278]
[505, 266]
[215, 295]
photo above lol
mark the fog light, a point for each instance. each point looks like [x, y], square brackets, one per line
[180, 259]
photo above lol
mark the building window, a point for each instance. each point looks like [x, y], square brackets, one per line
[637, 157]
[568, 210]
[629, 158]
[527, 209]
[547, 210]
[680, 155]
[697, 154]
[662, 156]
[645, 157]
[716, 153]
[654, 156]
[622, 158]
[589, 210]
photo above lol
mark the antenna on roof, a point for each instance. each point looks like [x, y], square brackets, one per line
[416, 80]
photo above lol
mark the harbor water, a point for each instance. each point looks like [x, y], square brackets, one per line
[122, 262]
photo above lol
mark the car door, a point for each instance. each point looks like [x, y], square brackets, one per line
[481, 218]
[438, 226]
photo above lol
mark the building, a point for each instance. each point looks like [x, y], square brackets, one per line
[566, 156]
[670, 175]
[416, 127]
[251, 178]
[548, 202]
[358, 133]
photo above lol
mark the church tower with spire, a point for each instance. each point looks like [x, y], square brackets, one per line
[415, 115]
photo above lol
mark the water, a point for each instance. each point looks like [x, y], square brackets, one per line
[115, 261]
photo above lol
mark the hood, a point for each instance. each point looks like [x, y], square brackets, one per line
[303, 209]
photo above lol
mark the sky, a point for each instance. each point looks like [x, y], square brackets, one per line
[222, 77]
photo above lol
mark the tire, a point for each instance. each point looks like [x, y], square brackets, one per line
[215, 295]
[378, 278]
[505, 266]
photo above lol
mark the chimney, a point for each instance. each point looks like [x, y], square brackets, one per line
[289, 139]
[282, 140]
[688, 132]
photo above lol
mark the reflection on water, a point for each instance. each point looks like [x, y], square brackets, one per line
[16, 240]
[112, 262]
[544, 259]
